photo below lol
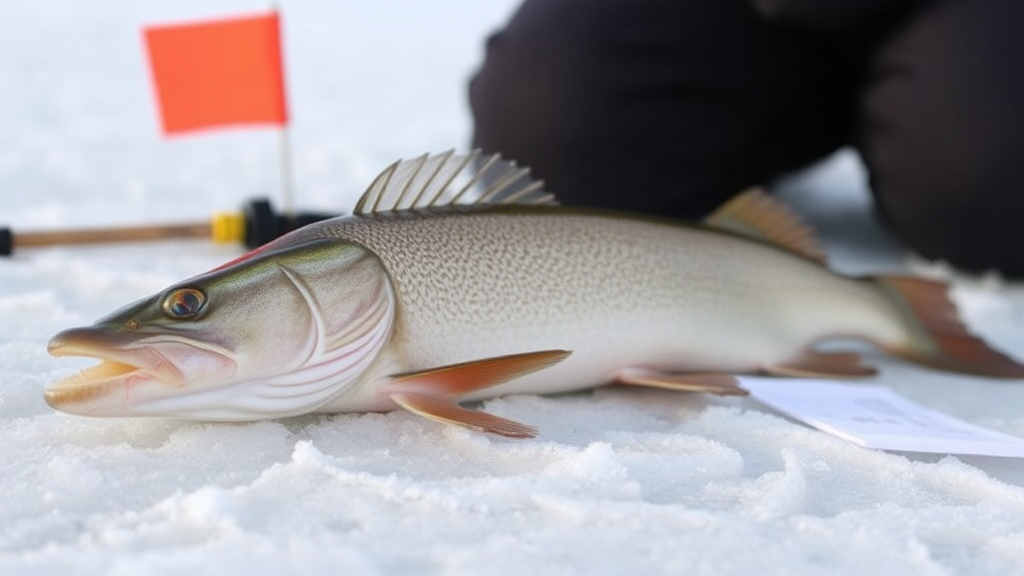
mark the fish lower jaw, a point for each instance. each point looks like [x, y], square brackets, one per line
[90, 383]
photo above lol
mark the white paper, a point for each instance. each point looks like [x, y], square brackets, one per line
[876, 417]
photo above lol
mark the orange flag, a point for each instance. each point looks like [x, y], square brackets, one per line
[217, 73]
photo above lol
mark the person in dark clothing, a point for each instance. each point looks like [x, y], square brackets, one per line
[673, 106]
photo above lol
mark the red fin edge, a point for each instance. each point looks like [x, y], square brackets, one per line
[941, 340]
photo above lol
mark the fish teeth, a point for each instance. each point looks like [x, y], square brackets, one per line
[87, 377]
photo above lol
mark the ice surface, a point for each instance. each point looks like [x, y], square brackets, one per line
[619, 482]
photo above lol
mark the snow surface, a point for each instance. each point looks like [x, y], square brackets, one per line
[619, 482]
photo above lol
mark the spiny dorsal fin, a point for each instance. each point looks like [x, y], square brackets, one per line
[446, 179]
[757, 215]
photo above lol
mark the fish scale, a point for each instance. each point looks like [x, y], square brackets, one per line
[628, 290]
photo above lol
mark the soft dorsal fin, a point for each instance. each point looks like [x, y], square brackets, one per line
[446, 179]
[757, 215]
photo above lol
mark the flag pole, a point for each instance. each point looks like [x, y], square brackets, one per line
[284, 150]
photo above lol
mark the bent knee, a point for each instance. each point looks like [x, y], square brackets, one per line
[971, 223]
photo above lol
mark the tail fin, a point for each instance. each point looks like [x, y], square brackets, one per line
[938, 336]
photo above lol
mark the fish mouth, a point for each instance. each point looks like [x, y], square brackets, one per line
[88, 383]
[119, 368]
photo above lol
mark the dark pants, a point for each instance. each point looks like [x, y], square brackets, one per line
[673, 106]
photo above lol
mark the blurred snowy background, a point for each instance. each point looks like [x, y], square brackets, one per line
[620, 481]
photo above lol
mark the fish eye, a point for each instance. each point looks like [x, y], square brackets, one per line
[184, 303]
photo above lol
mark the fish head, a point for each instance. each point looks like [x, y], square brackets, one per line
[275, 333]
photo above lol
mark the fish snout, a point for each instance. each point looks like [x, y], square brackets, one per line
[64, 342]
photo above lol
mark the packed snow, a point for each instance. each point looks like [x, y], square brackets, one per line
[620, 481]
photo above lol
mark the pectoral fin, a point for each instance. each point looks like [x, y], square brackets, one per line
[434, 393]
[712, 383]
[823, 365]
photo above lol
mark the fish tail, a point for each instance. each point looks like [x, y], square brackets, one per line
[936, 335]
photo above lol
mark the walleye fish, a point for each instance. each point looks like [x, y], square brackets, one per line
[427, 296]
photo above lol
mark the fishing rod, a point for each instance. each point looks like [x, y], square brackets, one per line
[256, 224]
